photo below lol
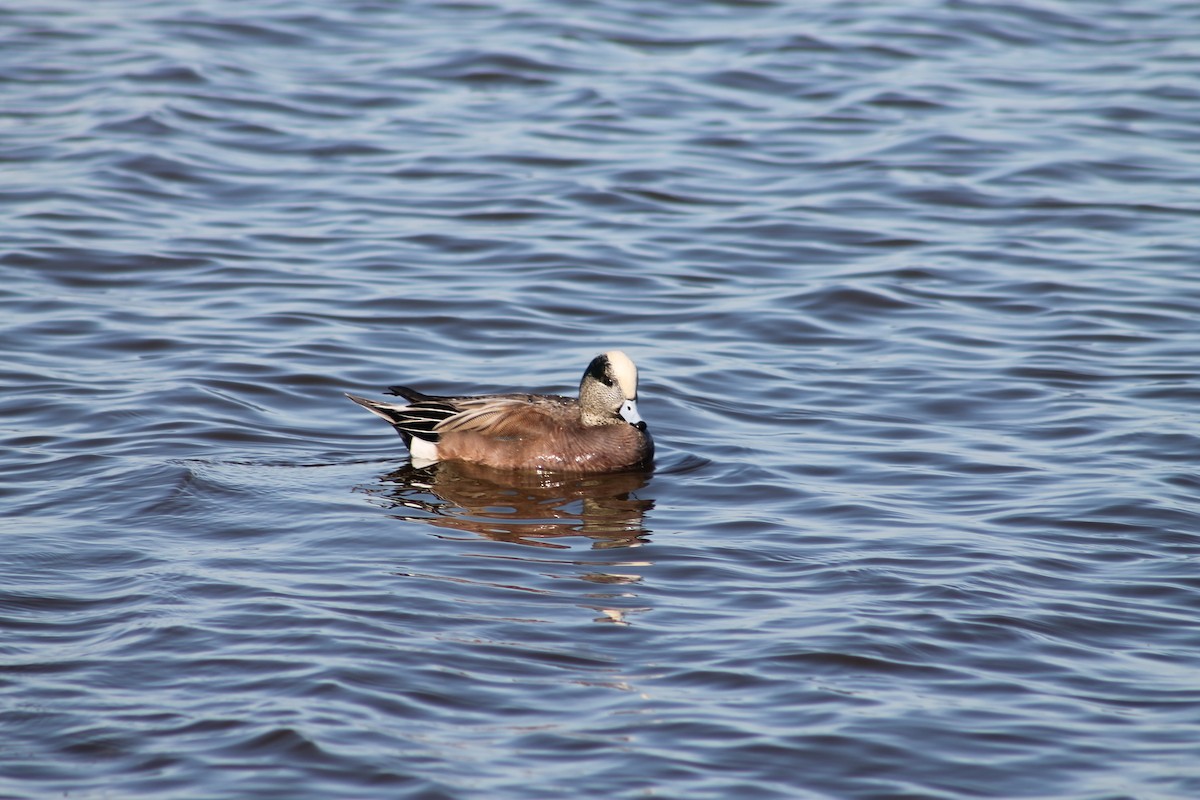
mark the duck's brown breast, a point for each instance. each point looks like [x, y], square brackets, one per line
[602, 448]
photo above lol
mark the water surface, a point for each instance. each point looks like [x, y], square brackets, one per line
[913, 289]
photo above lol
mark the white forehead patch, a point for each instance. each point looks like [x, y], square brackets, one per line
[624, 372]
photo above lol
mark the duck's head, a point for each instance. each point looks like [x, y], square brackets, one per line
[608, 391]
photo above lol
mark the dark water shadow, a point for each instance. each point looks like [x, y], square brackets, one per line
[529, 509]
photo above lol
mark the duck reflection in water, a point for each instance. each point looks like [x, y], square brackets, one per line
[521, 508]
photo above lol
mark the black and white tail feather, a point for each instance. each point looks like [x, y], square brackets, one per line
[417, 419]
[422, 414]
[424, 418]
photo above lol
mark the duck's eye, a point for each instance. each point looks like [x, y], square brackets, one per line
[598, 370]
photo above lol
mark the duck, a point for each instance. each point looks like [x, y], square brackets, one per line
[600, 431]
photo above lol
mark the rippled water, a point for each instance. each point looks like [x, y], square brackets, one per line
[915, 292]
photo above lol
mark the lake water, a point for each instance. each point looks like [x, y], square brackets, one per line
[914, 288]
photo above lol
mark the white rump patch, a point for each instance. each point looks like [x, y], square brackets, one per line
[423, 453]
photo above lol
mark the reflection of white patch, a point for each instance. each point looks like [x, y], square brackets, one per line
[423, 453]
[629, 412]
[624, 371]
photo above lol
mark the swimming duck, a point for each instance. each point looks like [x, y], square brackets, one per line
[599, 432]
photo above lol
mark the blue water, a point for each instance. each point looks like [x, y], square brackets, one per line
[914, 289]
